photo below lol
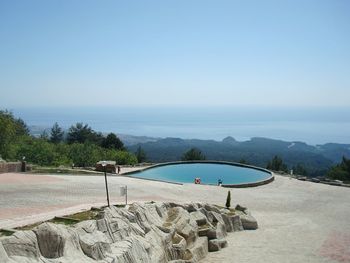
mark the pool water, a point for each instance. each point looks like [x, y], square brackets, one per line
[209, 173]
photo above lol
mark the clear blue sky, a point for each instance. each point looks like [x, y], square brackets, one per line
[179, 52]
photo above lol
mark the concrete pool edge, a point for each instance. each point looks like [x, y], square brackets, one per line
[270, 179]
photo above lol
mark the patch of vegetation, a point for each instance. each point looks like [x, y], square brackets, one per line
[81, 146]
[277, 164]
[28, 227]
[340, 171]
[228, 200]
[192, 155]
[120, 205]
[86, 215]
[63, 221]
[6, 233]
[55, 170]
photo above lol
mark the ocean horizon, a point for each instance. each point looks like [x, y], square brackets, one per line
[311, 125]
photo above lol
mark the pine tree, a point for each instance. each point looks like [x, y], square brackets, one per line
[140, 155]
[56, 134]
[228, 200]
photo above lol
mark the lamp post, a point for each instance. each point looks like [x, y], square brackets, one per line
[104, 165]
[23, 164]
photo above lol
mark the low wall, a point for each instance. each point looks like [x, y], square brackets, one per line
[11, 167]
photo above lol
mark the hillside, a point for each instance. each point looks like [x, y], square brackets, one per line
[257, 151]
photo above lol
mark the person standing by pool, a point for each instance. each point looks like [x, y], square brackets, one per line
[219, 182]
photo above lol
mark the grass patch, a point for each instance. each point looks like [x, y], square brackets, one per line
[86, 215]
[56, 170]
[63, 221]
[5, 233]
[28, 227]
[120, 205]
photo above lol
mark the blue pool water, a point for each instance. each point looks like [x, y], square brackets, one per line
[209, 173]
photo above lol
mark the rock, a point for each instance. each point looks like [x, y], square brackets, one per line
[216, 244]
[130, 250]
[228, 222]
[199, 217]
[207, 214]
[218, 233]
[23, 244]
[56, 240]
[249, 222]
[145, 233]
[240, 208]
[3, 254]
[93, 242]
[192, 207]
[237, 223]
[200, 250]
[204, 231]
[213, 245]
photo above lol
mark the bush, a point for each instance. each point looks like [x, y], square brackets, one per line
[228, 200]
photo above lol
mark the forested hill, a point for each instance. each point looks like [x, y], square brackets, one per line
[257, 151]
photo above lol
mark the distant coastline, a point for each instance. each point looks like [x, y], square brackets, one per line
[313, 126]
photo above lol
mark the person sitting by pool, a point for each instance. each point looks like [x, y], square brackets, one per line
[197, 180]
[219, 182]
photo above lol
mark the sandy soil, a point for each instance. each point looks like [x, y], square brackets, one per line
[298, 221]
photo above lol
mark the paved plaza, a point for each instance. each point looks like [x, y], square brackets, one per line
[298, 221]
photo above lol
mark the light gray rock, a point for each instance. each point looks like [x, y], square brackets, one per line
[130, 250]
[199, 217]
[249, 222]
[57, 240]
[200, 250]
[216, 244]
[93, 242]
[23, 244]
[228, 222]
[237, 223]
[218, 233]
[145, 233]
[3, 254]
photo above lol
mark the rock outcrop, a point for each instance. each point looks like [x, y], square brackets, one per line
[148, 232]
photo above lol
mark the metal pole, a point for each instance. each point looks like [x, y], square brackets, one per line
[106, 188]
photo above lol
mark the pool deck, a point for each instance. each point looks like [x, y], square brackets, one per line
[298, 221]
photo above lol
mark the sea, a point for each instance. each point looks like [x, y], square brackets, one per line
[311, 125]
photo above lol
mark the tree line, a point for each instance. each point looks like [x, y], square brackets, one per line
[80, 145]
[338, 172]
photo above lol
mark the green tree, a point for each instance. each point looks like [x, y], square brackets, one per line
[36, 151]
[140, 155]
[299, 169]
[57, 134]
[81, 133]
[11, 129]
[84, 154]
[340, 171]
[276, 164]
[44, 136]
[192, 155]
[243, 161]
[228, 200]
[112, 142]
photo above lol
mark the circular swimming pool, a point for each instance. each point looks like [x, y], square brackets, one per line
[230, 174]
